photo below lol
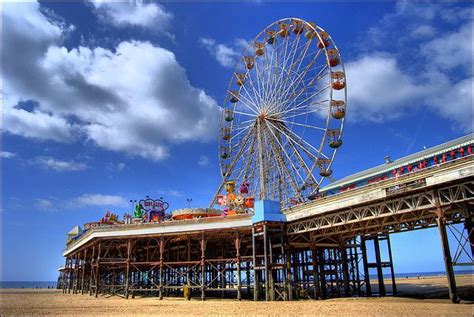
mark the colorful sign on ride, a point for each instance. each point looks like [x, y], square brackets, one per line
[149, 210]
[236, 203]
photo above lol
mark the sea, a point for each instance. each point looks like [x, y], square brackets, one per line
[423, 274]
[52, 284]
[28, 284]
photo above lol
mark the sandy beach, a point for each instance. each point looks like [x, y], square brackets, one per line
[54, 302]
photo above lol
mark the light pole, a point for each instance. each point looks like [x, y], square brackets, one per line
[189, 200]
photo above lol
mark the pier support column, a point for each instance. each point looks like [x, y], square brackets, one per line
[256, 280]
[265, 262]
[91, 277]
[203, 267]
[441, 220]
[392, 271]
[127, 269]
[162, 248]
[345, 268]
[378, 260]
[469, 226]
[363, 247]
[65, 275]
[317, 289]
[70, 278]
[288, 274]
[97, 277]
[239, 281]
[83, 271]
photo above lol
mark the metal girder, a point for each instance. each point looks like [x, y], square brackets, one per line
[392, 215]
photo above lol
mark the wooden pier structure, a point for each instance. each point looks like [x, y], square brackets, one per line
[320, 251]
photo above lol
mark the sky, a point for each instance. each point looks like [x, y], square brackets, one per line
[104, 102]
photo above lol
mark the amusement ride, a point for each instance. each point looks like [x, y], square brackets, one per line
[283, 115]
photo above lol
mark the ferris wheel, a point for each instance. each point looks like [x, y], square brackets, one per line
[283, 114]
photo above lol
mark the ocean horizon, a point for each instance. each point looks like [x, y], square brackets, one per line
[52, 284]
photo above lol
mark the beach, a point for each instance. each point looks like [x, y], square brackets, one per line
[417, 300]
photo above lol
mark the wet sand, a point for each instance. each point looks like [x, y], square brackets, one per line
[54, 302]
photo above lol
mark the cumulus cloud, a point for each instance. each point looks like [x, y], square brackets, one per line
[379, 89]
[226, 55]
[7, 155]
[203, 160]
[383, 86]
[133, 13]
[423, 31]
[115, 167]
[170, 193]
[44, 204]
[451, 50]
[135, 98]
[52, 163]
[87, 200]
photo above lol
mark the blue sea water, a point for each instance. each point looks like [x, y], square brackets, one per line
[28, 284]
[423, 274]
[52, 284]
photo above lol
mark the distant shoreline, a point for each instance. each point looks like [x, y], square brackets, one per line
[52, 284]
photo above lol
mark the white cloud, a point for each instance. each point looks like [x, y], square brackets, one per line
[203, 160]
[135, 98]
[434, 72]
[99, 200]
[379, 90]
[453, 100]
[7, 155]
[44, 204]
[451, 50]
[133, 13]
[115, 167]
[226, 55]
[37, 124]
[58, 165]
[170, 193]
[423, 31]
[417, 19]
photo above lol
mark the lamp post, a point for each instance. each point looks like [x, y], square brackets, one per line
[189, 200]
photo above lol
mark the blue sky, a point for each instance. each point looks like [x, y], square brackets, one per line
[107, 102]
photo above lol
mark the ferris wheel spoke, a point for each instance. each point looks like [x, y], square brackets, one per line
[251, 156]
[250, 98]
[283, 63]
[248, 104]
[302, 125]
[309, 172]
[281, 169]
[286, 154]
[304, 109]
[285, 166]
[243, 129]
[308, 98]
[299, 114]
[301, 106]
[290, 136]
[231, 166]
[281, 78]
[259, 81]
[292, 95]
[246, 114]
